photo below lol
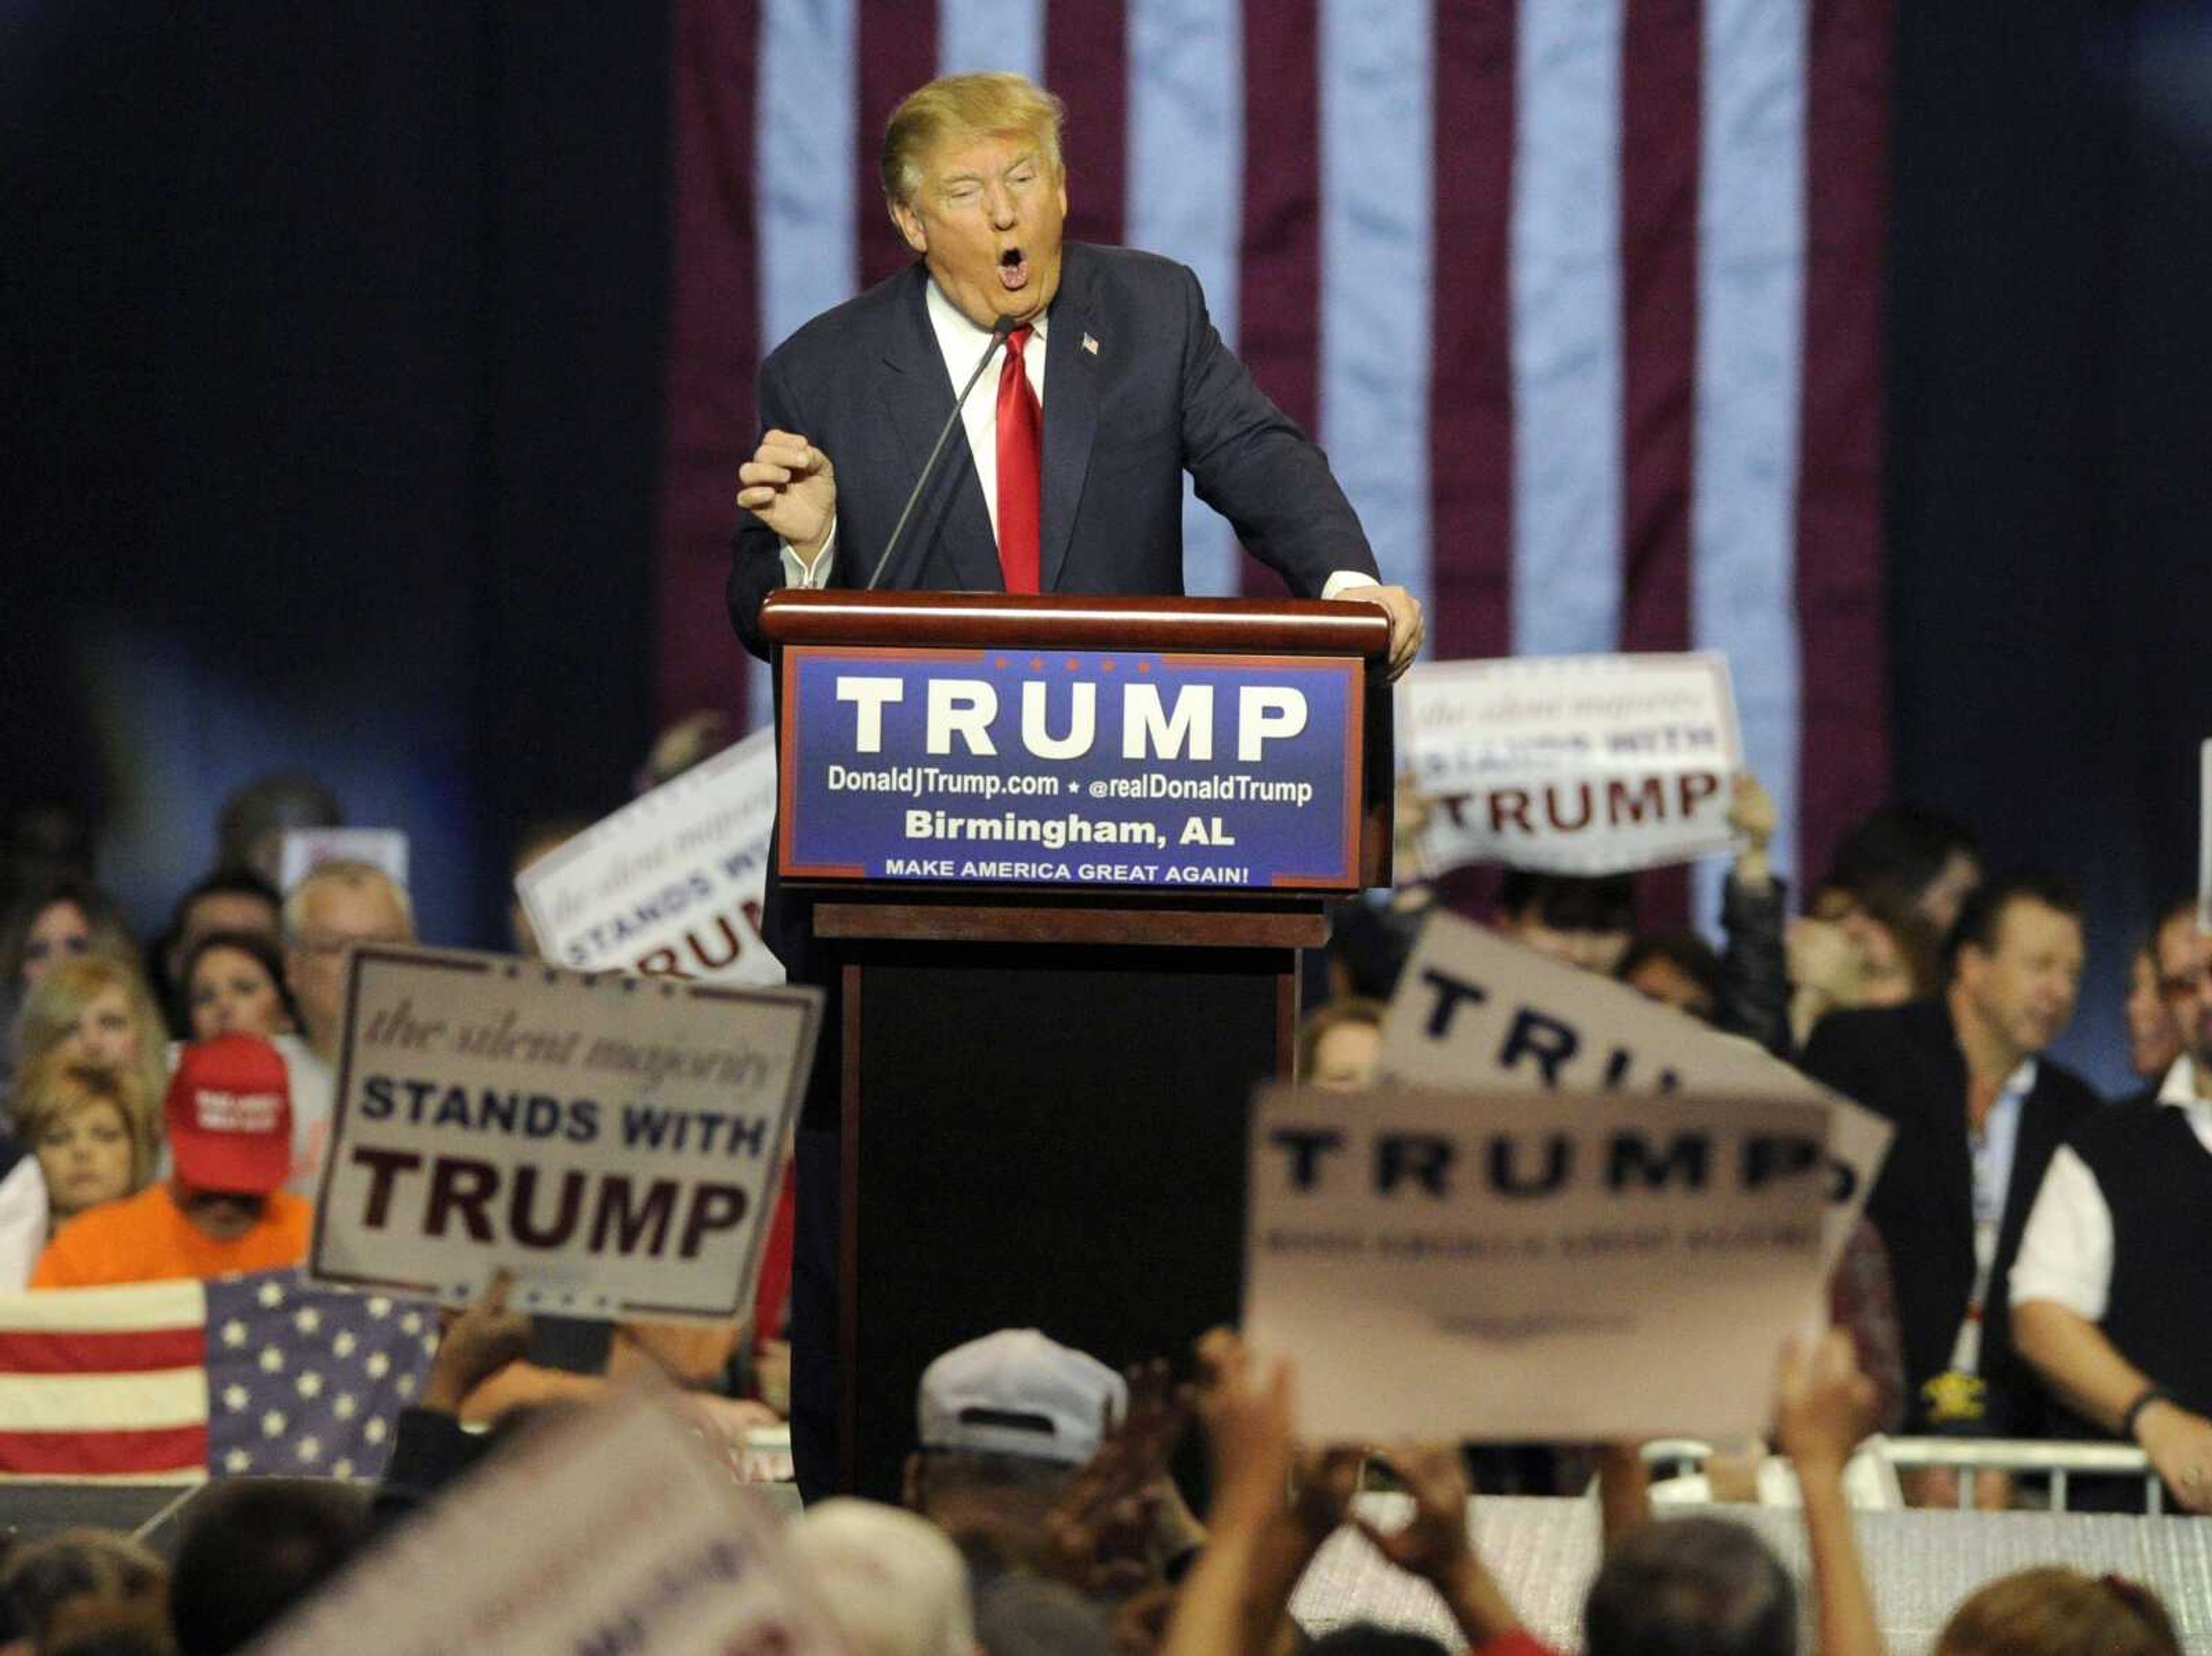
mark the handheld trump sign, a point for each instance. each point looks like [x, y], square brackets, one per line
[609, 1532]
[1453, 1265]
[671, 884]
[617, 1143]
[1474, 1010]
[1072, 766]
[1572, 764]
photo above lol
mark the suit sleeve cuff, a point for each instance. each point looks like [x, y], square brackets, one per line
[814, 576]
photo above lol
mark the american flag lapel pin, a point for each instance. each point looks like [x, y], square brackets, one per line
[1089, 345]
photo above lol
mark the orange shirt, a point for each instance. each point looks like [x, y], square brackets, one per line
[147, 1239]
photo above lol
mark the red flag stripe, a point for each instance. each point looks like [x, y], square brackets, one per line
[1843, 718]
[1086, 56]
[713, 348]
[898, 52]
[1471, 393]
[104, 1454]
[61, 1351]
[1661, 50]
[1278, 274]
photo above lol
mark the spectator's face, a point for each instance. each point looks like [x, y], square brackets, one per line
[2024, 986]
[987, 218]
[1942, 897]
[1656, 978]
[60, 931]
[1594, 951]
[219, 1216]
[85, 1156]
[338, 915]
[2153, 1042]
[2183, 954]
[231, 989]
[106, 1032]
[1885, 975]
[227, 911]
[1344, 1056]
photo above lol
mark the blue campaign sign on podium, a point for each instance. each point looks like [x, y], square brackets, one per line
[1081, 768]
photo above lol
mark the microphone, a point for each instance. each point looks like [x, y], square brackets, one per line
[999, 329]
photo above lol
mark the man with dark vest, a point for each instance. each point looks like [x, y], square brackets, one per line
[1979, 1113]
[2115, 1272]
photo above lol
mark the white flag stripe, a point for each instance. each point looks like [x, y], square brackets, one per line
[999, 34]
[1750, 301]
[1185, 172]
[136, 1308]
[806, 170]
[1564, 248]
[1377, 252]
[64, 1403]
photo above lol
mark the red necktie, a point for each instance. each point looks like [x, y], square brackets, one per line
[1021, 447]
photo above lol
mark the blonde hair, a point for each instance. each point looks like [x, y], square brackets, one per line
[59, 1085]
[346, 871]
[52, 1008]
[966, 106]
[2054, 1612]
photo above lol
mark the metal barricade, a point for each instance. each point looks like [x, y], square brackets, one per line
[2058, 1461]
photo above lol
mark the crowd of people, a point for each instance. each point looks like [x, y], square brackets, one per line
[2026, 1268]
[1041, 1518]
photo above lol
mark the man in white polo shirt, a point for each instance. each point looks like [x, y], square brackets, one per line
[2115, 1268]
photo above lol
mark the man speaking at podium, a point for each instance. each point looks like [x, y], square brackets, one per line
[1107, 382]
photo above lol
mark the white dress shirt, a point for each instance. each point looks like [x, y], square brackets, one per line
[962, 344]
[2066, 1252]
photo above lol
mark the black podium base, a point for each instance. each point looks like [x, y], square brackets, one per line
[1041, 1136]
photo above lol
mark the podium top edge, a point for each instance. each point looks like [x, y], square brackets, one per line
[1272, 626]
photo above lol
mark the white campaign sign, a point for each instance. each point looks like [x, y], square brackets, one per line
[671, 884]
[611, 1529]
[1473, 1010]
[1572, 764]
[1483, 1264]
[302, 851]
[617, 1143]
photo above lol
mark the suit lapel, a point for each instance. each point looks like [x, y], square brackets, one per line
[1951, 1160]
[1071, 413]
[950, 529]
[2041, 1129]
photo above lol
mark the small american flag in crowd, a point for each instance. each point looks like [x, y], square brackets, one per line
[258, 1375]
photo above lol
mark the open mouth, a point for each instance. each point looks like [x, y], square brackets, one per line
[1013, 269]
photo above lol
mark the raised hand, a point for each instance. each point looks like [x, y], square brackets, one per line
[790, 485]
[1824, 1408]
[477, 1345]
[1246, 1408]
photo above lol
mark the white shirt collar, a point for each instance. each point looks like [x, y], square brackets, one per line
[2179, 1088]
[960, 339]
[2022, 1081]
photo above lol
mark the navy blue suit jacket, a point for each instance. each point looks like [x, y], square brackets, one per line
[1160, 395]
[866, 383]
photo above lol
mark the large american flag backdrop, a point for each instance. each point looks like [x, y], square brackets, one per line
[1583, 297]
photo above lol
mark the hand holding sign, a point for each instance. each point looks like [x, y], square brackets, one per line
[476, 1344]
[616, 1143]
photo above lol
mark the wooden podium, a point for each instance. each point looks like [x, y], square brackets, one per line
[1044, 1086]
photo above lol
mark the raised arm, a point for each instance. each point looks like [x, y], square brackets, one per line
[1824, 1408]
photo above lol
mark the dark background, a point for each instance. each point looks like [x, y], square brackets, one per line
[333, 344]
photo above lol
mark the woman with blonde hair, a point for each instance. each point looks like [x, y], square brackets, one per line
[92, 1136]
[96, 1008]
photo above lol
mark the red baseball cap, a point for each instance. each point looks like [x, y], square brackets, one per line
[229, 1113]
